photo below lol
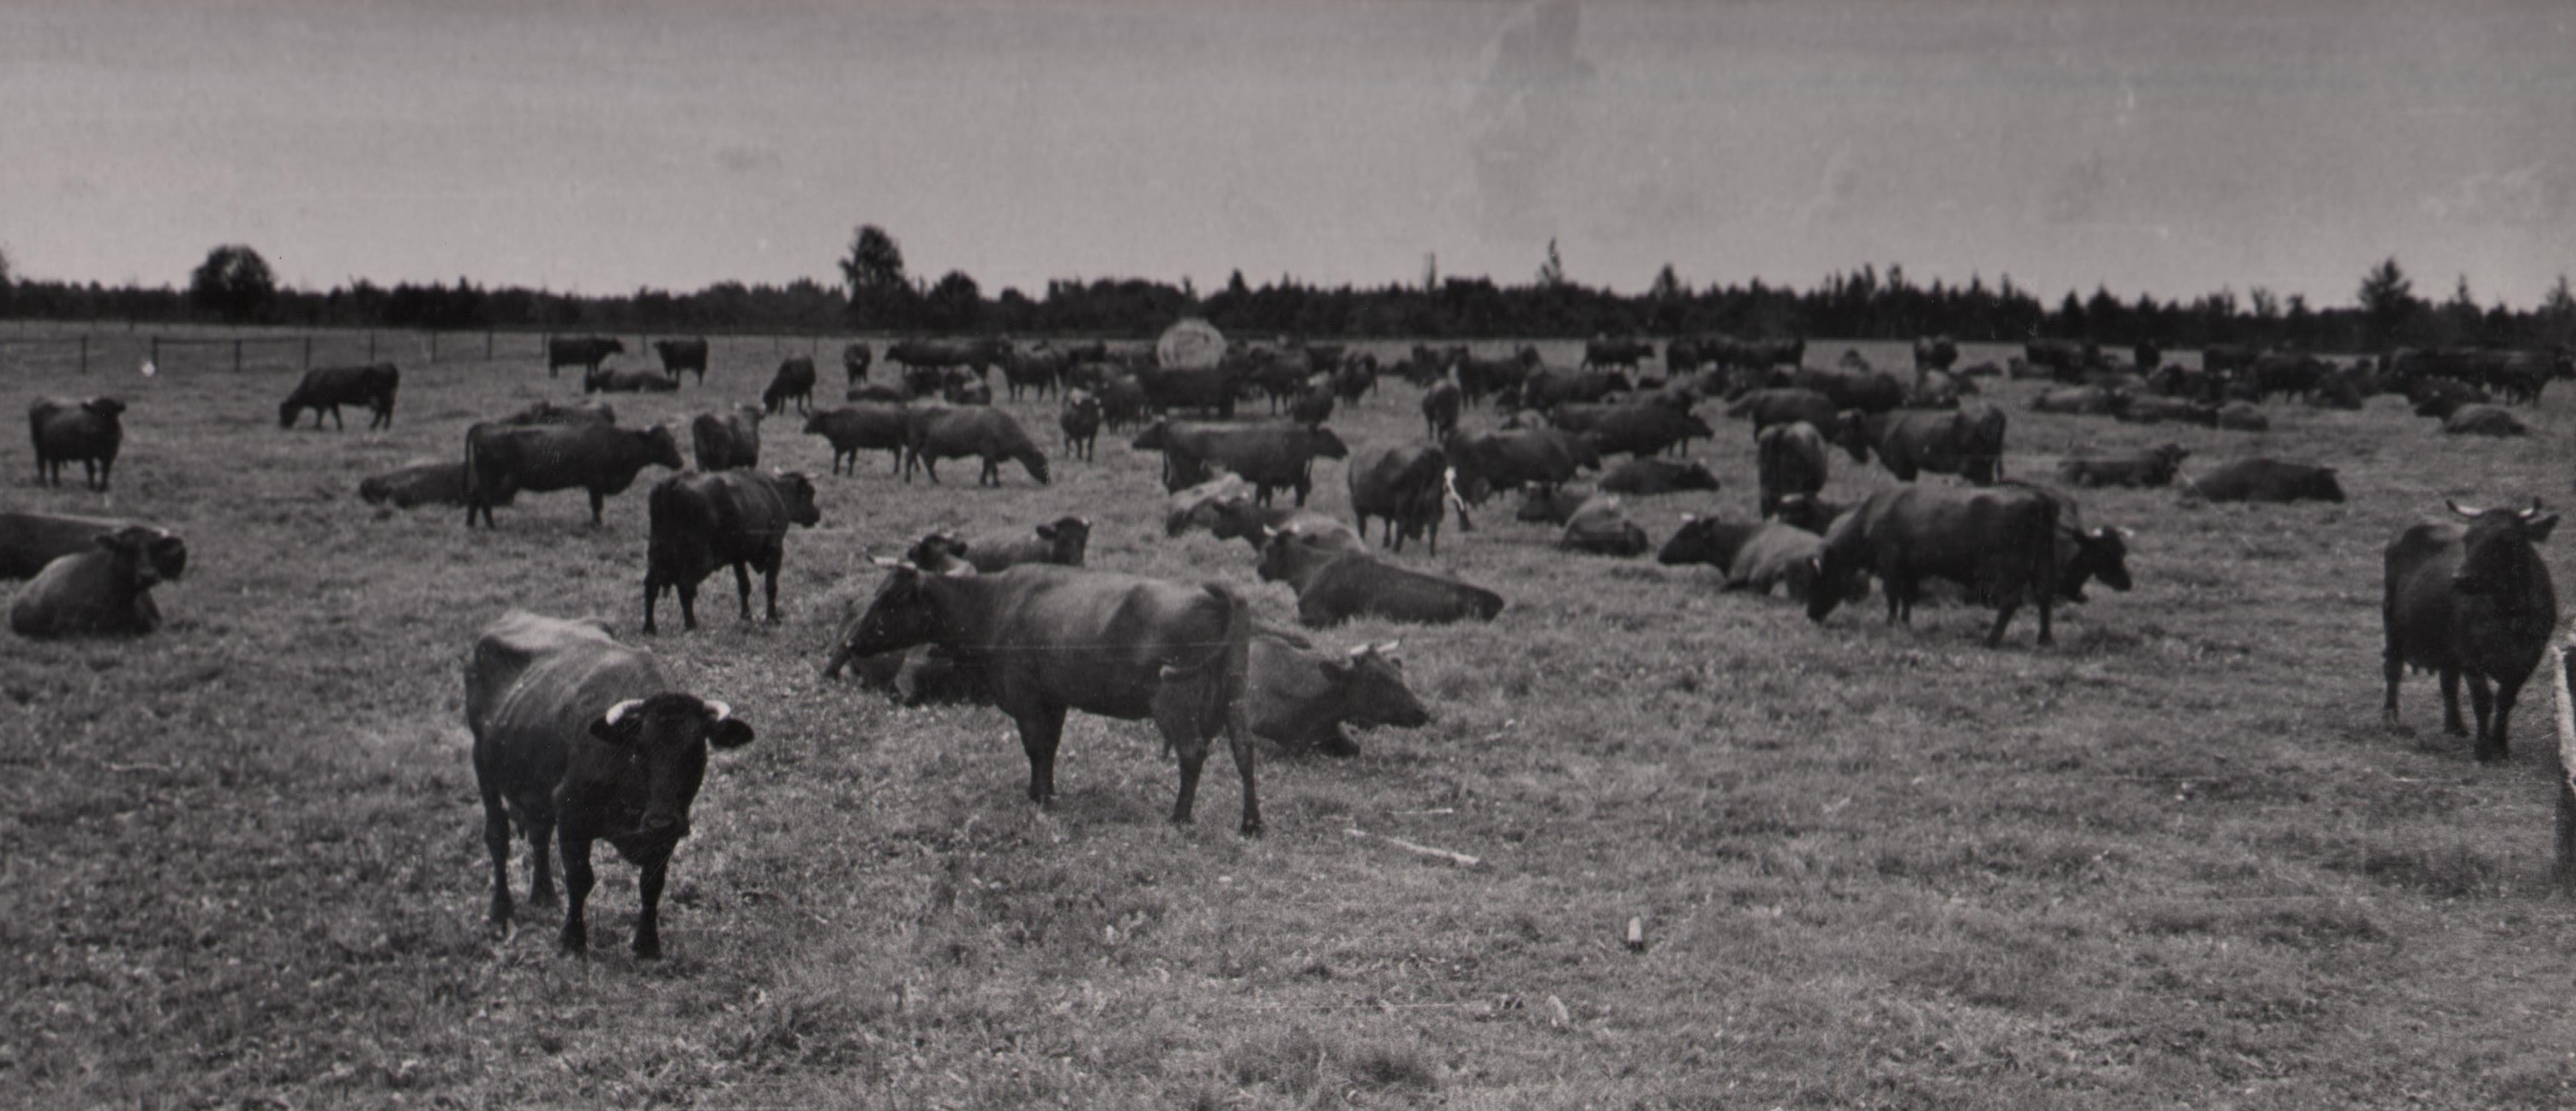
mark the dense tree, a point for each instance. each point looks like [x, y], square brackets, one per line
[872, 272]
[956, 304]
[234, 284]
[2387, 299]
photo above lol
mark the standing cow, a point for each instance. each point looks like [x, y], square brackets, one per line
[601, 459]
[683, 355]
[855, 428]
[1408, 487]
[1080, 421]
[586, 352]
[723, 441]
[701, 522]
[2001, 543]
[70, 428]
[2470, 600]
[326, 389]
[793, 382]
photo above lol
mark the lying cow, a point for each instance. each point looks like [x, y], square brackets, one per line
[29, 541]
[1333, 587]
[793, 382]
[2266, 480]
[1301, 698]
[104, 590]
[548, 412]
[1061, 542]
[420, 482]
[2000, 542]
[2483, 420]
[1601, 526]
[601, 459]
[1551, 506]
[2152, 467]
[2470, 599]
[724, 441]
[1755, 557]
[1645, 477]
[66, 429]
[852, 429]
[326, 389]
[1224, 507]
[933, 433]
[1047, 639]
[577, 739]
[701, 522]
[618, 379]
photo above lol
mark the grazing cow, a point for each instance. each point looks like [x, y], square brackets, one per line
[611, 379]
[856, 428]
[1617, 352]
[1061, 542]
[326, 389]
[577, 739]
[1081, 423]
[2243, 416]
[2470, 599]
[1408, 487]
[1266, 455]
[727, 440]
[1866, 390]
[1047, 639]
[1790, 459]
[1784, 405]
[1601, 526]
[602, 459]
[2142, 409]
[1635, 430]
[1489, 461]
[2267, 480]
[1334, 586]
[586, 352]
[29, 541]
[793, 382]
[855, 360]
[2152, 467]
[732, 518]
[1968, 443]
[548, 412]
[1934, 353]
[420, 482]
[1440, 405]
[1123, 404]
[72, 428]
[680, 356]
[1755, 557]
[1647, 477]
[2081, 401]
[2001, 543]
[933, 433]
[2483, 420]
[1301, 698]
[102, 590]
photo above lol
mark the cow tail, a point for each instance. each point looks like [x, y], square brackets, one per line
[1233, 688]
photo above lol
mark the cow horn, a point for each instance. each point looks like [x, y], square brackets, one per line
[2534, 510]
[1358, 651]
[887, 562]
[2456, 508]
[722, 711]
[2125, 532]
[1388, 648]
[1689, 517]
[620, 710]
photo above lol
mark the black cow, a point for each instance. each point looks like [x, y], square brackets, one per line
[611, 379]
[1601, 526]
[1634, 430]
[420, 482]
[2286, 373]
[2441, 397]
[1791, 459]
[602, 459]
[855, 360]
[1784, 405]
[2267, 480]
[2227, 362]
[732, 518]
[724, 441]
[1408, 487]
[2065, 360]
[1266, 455]
[548, 412]
[1730, 353]
[2001, 543]
[586, 352]
[1301, 698]
[2243, 416]
[682, 355]
[2149, 409]
[933, 433]
[2151, 467]
[1224, 506]
[1657, 476]
[1355, 378]
[29, 541]
[855, 428]
[1870, 391]
[1489, 461]
[980, 355]
[326, 389]
[1336, 586]
[2470, 600]
[1062, 542]
[1211, 389]
[1080, 420]
[578, 738]
[1047, 639]
[71, 428]
[793, 382]
[1968, 443]
[1315, 406]
[102, 590]
[2080, 401]
[1123, 404]
[1440, 406]
[1037, 371]
[1548, 387]
[1617, 352]
[1755, 556]
[1934, 353]
[2483, 420]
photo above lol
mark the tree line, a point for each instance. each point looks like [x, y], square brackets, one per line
[878, 294]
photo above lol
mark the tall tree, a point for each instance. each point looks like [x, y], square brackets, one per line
[2387, 299]
[1551, 273]
[880, 297]
[234, 284]
[2558, 313]
[955, 304]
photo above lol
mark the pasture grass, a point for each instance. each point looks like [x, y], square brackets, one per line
[2174, 860]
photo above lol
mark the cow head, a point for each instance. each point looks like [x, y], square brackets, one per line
[1370, 683]
[1067, 538]
[797, 490]
[902, 614]
[105, 408]
[668, 735]
[937, 553]
[661, 447]
[2496, 559]
[1851, 431]
[2101, 555]
[131, 547]
[1327, 445]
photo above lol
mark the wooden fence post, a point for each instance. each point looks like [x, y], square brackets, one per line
[433, 345]
[84, 354]
[2557, 663]
[236, 356]
[155, 357]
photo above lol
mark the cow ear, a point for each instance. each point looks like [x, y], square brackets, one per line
[2539, 526]
[1046, 532]
[727, 731]
[619, 725]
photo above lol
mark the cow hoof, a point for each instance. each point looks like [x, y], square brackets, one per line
[1252, 830]
[644, 952]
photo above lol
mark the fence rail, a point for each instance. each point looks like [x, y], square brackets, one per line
[297, 347]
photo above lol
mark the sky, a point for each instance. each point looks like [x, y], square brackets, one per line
[2172, 148]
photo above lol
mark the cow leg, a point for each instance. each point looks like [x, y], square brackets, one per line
[597, 501]
[1041, 727]
[2492, 737]
[769, 587]
[2451, 723]
[578, 880]
[648, 914]
[742, 592]
[1179, 713]
[2490, 745]
[496, 837]
[652, 593]
[688, 607]
[338, 422]
[1302, 487]
[2392, 666]
[2045, 636]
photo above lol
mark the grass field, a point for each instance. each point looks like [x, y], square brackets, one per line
[2175, 860]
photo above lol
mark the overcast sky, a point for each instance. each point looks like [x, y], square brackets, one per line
[2168, 147]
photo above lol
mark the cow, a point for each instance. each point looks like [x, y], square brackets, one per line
[586, 352]
[1489, 461]
[1315, 406]
[1934, 353]
[965, 389]
[980, 355]
[1551, 506]
[1791, 459]
[1730, 353]
[933, 433]
[724, 441]
[738, 518]
[1968, 443]
[420, 482]
[1211, 390]
[1035, 371]
[326, 389]
[578, 739]
[74, 428]
[1938, 389]
[1601, 526]
[2081, 401]
[610, 379]
[29, 541]
[2266, 480]
[1408, 488]
[2152, 467]
[2000, 542]
[1047, 639]
[1646, 477]
[1755, 557]
[1809, 512]
[2286, 373]
[2243, 416]
[1333, 587]
[601, 459]
[1635, 430]
[793, 382]
[1080, 420]
[2470, 599]
[102, 590]
[2227, 362]
[1548, 387]
[1355, 378]
[548, 412]
[680, 356]
[2483, 420]
[1300, 698]
[1785, 405]
[1123, 404]
[1616, 352]
[1866, 390]
[2139, 409]
[852, 429]
[1224, 506]
[1266, 455]
[855, 360]
[2441, 397]
[1061, 542]
[2065, 360]
[1479, 378]
[2083, 554]
[1440, 406]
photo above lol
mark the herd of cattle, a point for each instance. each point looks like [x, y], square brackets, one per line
[579, 738]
